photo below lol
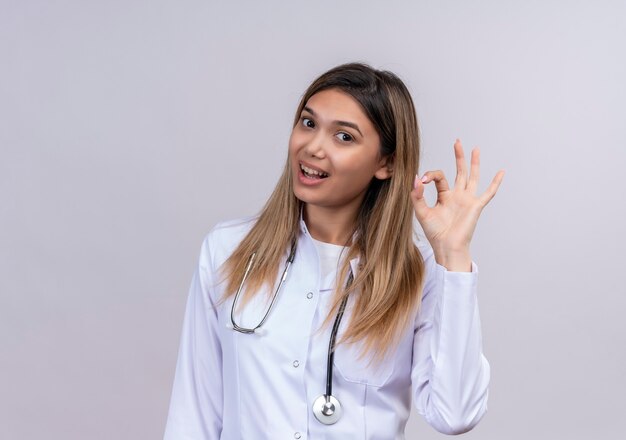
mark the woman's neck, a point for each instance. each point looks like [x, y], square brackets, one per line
[330, 225]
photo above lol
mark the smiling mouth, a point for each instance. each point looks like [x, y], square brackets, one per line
[311, 173]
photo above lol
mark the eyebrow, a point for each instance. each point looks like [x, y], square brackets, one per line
[343, 123]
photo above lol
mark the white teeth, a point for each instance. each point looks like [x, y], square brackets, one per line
[312, 172]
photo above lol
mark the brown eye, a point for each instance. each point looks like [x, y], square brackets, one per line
[308, 123]
[344, 137]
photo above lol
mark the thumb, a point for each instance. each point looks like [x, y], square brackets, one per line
[417, 197]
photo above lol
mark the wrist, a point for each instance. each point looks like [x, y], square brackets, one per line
[454, 261]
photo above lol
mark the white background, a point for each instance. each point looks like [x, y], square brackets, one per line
[129, 128]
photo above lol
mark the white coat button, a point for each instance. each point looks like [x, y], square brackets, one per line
[296, 364]
[309, 295]
[297, 435]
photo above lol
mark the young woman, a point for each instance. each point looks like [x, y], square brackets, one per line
[326, 315]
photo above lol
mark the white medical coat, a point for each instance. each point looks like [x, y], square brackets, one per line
[230, 385]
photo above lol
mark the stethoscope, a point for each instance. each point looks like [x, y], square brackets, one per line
[326, 407]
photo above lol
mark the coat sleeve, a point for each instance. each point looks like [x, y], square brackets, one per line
[450, 374]
[196, 403]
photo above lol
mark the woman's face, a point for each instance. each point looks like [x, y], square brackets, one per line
[334, 151]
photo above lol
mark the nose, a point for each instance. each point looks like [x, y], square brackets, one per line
[315, 146]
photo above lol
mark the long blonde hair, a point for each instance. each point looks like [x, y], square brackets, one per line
[387, 288]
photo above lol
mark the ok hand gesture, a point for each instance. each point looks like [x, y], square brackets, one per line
[450, 223]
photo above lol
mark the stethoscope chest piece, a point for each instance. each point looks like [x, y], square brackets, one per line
[327, 409]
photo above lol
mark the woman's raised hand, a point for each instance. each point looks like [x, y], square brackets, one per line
[450, 223]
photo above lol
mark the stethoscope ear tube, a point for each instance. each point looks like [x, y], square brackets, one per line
[257, 329]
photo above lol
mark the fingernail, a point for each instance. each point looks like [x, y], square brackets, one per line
[416, 181]
[424, 179]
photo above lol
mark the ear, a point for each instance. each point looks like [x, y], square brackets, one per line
[385, 169]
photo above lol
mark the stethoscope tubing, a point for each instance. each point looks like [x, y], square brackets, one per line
[331, 343]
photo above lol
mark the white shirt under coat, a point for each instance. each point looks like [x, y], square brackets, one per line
[230, 385]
